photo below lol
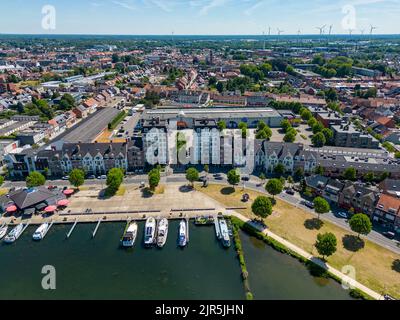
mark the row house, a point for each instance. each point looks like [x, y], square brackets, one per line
[334, 161]
[347, 194]
[387, 211]
[93, 158]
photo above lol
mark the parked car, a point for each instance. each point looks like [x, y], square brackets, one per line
[343, 215]
[389, 234]
[245, 178]
[102, 177]
[290, 191]
[142, 184]
[91, 176]
[308, 204]
[65, 178]
[52, 187]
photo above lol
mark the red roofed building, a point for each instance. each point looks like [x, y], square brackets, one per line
[387, 211]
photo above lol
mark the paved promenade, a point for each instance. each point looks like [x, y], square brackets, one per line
[351, 282]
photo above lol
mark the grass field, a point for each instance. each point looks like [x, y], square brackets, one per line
[375, 266]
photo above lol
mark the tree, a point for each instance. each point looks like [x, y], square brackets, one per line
[317, 127]
[274, 187]
[361, 224]
[77, 177]
[350, 174]
[206, 168]
[326, 244]
[154, 178]
[312, 122]
[286, 125]
[262, 207]
[221, 125]
[369, 177]
[328, 133]
[233, 177]
[318, 140]
[305, 114]
[290, 136]
[321, 206]
[192, 175]
[279, 169]
[262, 177]
[1, 180]
[35, 179]
[319, 170]
[290, 180]
[299, 174]
[114, 180]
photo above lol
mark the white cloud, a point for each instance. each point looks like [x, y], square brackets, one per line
[125, 5]
[211, 5]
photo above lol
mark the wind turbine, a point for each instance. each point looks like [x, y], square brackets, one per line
[279, 31]
[372, 29]
[321, 29]
[269, 30]
[298, 32]
[351, 31]
[330, 29]
[362, 31]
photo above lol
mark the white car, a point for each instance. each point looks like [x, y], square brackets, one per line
[65, 178]
[342, 215]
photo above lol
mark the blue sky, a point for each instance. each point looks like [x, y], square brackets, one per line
[200, 16]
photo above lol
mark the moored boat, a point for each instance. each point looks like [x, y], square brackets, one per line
[3, 231]
[40, 232]
[162, 232]
[150, 231]
[130, 234]
[182, 239]
[14, 234]
[226, 241]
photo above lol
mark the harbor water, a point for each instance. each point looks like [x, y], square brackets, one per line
[98, 268]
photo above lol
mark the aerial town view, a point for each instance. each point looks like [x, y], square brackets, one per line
[200, 150]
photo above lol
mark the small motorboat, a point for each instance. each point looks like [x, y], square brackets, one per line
[3, 231]
[130, 234]
[182, 239]
[162, 232]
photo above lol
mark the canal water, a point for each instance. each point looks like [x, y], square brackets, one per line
[98, 268]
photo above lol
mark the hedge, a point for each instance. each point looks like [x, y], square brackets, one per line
[313, 268]
[113, 124]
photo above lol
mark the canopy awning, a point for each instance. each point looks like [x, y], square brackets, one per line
[68, 192]
[63, 203]
[50, 209]
[12, 208]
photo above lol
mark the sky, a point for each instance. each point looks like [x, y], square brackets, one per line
[198, 17]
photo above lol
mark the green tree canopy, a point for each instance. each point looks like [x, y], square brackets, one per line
[326, 244]
[77, 177]
[361, 224]
[262, 207]
[192, 175]
[274, 187]
[154, 177]
[221, 125]
[321, 206]
[350, 174]
[318, 140]
[115, 177]
[279, 169]
[233, 177]
[35, 179]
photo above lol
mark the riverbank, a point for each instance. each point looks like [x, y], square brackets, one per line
[287, 224]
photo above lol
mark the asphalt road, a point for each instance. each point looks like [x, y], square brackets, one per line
[87, 131]
[253, 184]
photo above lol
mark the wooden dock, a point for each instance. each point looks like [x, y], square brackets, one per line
[48, 228]
[97, 227]
[72, 229]
[187, 229]
[217, 229]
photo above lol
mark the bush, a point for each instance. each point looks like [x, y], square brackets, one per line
[113, 124]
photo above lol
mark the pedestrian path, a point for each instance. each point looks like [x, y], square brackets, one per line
[346, 279]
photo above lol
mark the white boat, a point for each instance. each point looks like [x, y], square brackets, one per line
[182, 239]
[40, 232]
[3, 231]
[226, 240]
[130, 235]
[162, 232]
[14, 234]
[150, 231]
